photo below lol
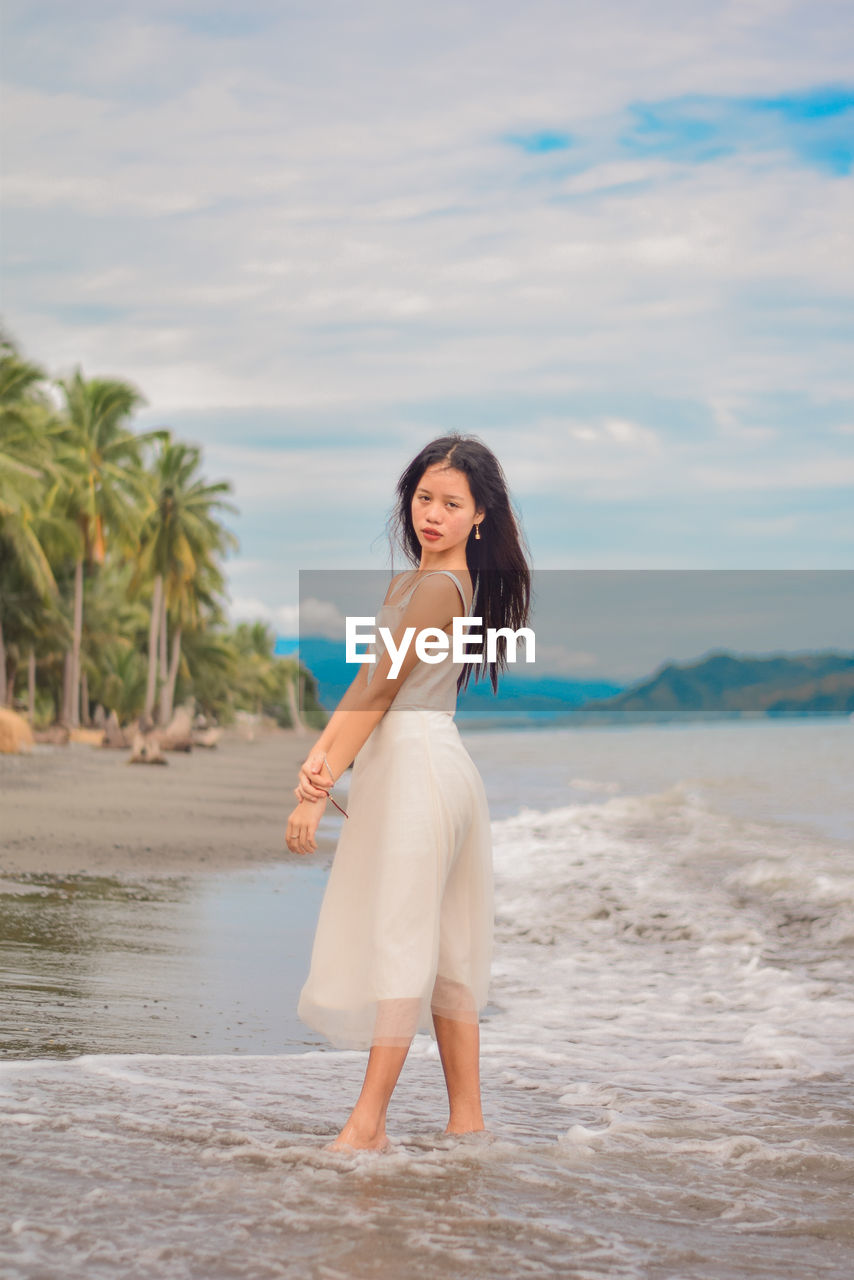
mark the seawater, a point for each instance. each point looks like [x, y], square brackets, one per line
[668, 1056]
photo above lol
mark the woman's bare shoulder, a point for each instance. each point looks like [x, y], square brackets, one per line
[395, 587]
[464, 577]
[399, 585]
[437, 594]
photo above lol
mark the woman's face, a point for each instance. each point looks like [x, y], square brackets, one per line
[442, 506]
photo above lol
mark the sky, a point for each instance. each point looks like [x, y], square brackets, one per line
[613, 240]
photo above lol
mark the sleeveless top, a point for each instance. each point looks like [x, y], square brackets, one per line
[429, 686]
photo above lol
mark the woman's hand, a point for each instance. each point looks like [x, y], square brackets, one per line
[315, 780]
[302, 825]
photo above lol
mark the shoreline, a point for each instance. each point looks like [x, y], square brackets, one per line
[80, 810]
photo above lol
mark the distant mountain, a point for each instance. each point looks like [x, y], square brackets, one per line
[725, 685]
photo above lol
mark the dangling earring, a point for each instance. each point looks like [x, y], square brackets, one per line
[477, 533]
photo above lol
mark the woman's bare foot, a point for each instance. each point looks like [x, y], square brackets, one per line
[358, 1136]
[466, 1117]
[465, 1128]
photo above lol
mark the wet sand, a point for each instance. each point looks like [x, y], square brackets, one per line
[80, 810]
[155, 909]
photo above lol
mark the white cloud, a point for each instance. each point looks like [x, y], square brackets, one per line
[248, 609]
[313, 617]
[302, 475]
[287, 619]
[320, 618]
[828, 472]
[632, 435]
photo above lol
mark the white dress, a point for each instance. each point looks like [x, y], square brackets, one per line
[406, 922]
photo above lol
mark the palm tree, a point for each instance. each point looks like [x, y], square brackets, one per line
[193, 606]
[102, 457]
[27, 433]
[114, 625]
[180, 540]
[212, 657]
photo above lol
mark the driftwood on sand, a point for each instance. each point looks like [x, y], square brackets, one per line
[56, 735]
[178, 734]
[145, 748]
[147, 742]
[115, 737]
[88, 737]
[16, 736]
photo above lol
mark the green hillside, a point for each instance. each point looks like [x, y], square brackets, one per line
[723, 685]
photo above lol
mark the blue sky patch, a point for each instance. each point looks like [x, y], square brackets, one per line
[541, 142]
[814, 104]
[817, 126]
[683, 129]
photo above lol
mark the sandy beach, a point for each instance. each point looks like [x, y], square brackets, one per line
[78, 809]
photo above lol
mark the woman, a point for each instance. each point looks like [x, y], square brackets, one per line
[404, 938]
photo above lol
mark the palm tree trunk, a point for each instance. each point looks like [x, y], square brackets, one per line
[2, 667]
[78, 635]
[65, 715]
[164, 658]
[84, 697]
[173, 675]
[164, 639]
[153, 638]
[31, 684]
[293, 707]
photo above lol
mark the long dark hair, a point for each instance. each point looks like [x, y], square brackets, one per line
[497, 561]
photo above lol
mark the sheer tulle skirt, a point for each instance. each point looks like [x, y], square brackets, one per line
[405, 927]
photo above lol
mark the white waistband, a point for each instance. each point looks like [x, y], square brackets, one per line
[421, 711]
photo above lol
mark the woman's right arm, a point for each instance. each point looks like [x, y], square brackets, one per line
[349, 700]
[312, 772]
